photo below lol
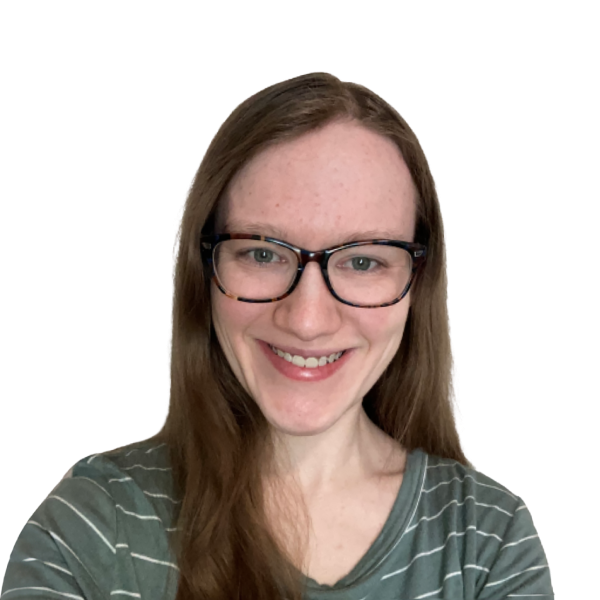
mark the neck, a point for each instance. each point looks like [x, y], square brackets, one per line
[352, 450]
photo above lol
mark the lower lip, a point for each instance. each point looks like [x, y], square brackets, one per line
[292, 371]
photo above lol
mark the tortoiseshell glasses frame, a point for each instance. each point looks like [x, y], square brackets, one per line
[208, 243]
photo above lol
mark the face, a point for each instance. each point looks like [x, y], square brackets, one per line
[315, 192]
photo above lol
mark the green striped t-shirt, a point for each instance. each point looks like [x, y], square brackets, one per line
[453, 533]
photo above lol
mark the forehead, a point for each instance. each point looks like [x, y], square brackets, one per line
[329, 186]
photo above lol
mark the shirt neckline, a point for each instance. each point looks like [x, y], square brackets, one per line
[397, 521]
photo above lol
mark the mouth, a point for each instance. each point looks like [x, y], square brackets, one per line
[319, 355]
[307, 362]
[316, 367]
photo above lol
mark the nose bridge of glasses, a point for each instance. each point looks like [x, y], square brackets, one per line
[320, 258]
[306, 256]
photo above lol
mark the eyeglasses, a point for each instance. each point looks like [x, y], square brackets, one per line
[366, 274]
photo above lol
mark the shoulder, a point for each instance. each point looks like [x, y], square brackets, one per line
[125, 473]
[452, 494]
[138, 475]
[446, 480]
[110, 515]
[139, 456]
[486, 528]
[136, 480]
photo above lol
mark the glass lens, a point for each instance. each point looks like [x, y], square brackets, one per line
[366, 275]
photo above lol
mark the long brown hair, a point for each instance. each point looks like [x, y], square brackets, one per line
[218, 438]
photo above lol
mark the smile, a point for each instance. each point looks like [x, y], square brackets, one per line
[305, 368]
[309, 362]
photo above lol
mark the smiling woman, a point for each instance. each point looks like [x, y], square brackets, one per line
[310, 450]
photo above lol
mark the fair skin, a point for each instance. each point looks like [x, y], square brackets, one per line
[315, 192]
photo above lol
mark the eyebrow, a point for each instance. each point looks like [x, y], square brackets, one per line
[274, 232]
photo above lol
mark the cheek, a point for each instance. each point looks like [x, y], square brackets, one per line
[383, 326]
[386, 337]
[232, 318]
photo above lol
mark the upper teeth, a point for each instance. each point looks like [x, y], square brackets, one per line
[310, 362]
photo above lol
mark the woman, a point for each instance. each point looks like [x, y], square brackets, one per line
[310, 448]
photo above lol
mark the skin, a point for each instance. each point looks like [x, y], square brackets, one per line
[317, 190]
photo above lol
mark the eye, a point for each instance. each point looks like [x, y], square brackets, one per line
[361, 264]
[263, 256]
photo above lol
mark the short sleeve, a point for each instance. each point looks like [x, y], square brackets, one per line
[520, 568]
[67, 548]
